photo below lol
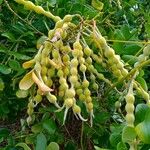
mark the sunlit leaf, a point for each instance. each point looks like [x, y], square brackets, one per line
[53, 146]
[97, 4]
[24, 146]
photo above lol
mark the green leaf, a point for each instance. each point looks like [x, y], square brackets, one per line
[4, 132]
[50, 126]
[140, 112]
[130, 59]
[142, 83]
[13, 64]
[41, 142]
[53, 146]
[98, 148]
[1, 1]
[19, 56]
[2, 85]
[4, 69]
[128, 134]
[24, 146]
[121, 146]
[115, 138]
[9, 35]
[37, 128]
[97, 4]
[143, 129]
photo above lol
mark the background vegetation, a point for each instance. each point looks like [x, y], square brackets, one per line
[20, 30]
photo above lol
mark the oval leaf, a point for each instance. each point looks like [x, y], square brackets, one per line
[24, 146]
[4, 69]
[53, 146]
[41, 142]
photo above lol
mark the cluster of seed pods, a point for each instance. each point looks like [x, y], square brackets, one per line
[63, 69]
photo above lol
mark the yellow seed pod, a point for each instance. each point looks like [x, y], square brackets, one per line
[61, 93]
[66, 58]
[124, 72]
[60, 73]
[64, 86]
[51, 98]
[66, 49]
[66, 71]
[20, 1]
[49, 82]
[70, 93]
[62, 80]
[129, 108]
[44, 70]
[67, 18]
[73, 71]
[85, 83]
[59, 24]
[87, 92]
[29, 5]
[76, 52]
[55, 54]
[39, 9]
[130, 119]
[87, 51]
[30, 105]
[95, 86]
[81, 60]
[44, 61]
[76, 109]
[51, 34]
[77, 45]
[30, 111]
[90, 106]
[130, 98]
[82, 68]
[109, 52]
[69, 102]
[88, 99]
[44, 77]
[92, 77]
[79, 91]
[116, 59]
[51, 72]
[89, 60]
[74, 62]
[82, 97]
[73, 79]
[120, 65]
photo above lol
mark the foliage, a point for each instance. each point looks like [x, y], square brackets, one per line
[126, 28]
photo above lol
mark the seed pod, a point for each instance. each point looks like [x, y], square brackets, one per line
[129, 108]
[55, 54]
[44, 70]
[87, 51]
[81, 60]
[87, 92]
[89, 60]
[82, 68]
[79, 91]
[82, 97]
[39, 9]
[67, 18]
[66, 58]
[77, 45]
[60, 73]
[76, 52]
[130, 98]
[62, 80]
[89, 106]
[95, 86]
[69, 102]
[117, 105]
[88, 99]
[73, 71]
[29, 5]
[74, 62]
[38, 98]
[130, 119]
[85, 83]
[109, 53]
[70, 93]
[51, 72]
[73, 79]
